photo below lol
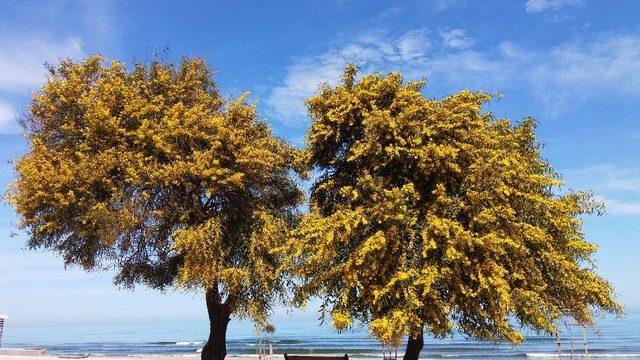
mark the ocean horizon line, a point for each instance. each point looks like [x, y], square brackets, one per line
[616, 338]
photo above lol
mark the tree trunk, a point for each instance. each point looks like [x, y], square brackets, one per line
[414, 346]
[219, 316]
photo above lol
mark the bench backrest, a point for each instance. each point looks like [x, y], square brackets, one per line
[312, 357]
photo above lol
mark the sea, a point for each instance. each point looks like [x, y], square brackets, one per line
[614, 338]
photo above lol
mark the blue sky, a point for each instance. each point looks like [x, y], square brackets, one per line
[574, 65]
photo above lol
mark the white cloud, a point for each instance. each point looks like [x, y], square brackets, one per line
[456, 38]
[22, 69]
[622, 207]
[618, 187]
[7, 118]
[370, 51]
[609, 177]
[287, 101]
[22, 60]
[437, 6]
[606, 63]
[558, 77]
[412, 45]
[512, 51]
[534, 6]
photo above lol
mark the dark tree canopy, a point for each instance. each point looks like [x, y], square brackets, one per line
[150, 172]
[433, 213]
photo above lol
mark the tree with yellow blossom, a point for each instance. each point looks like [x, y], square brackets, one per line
[434, 215]
[148, 171]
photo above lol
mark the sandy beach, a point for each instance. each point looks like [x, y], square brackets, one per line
[158, 357]
[165, 357]
[53, 357]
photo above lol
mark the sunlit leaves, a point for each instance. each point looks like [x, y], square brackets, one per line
[433, 213]
[148, 171]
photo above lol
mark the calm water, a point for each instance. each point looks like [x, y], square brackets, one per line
[618, 338]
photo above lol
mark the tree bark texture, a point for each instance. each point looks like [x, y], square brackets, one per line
[219, 316]
[414, 346]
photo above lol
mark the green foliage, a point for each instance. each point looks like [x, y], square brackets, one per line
[433, 213]
[150, 172]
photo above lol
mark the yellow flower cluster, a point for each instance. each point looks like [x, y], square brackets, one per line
[149, 171]
[427, 214]
[431, 214]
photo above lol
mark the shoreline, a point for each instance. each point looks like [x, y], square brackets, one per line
[541, 356]
[275, 357]
[174, 356]
[45, 356]
[142, 357]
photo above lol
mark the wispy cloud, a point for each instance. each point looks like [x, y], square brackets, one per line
[286, 101]
[614, 206]
[456, 38]
[606, 63]
[370, 51]
[22, 69]
[609, 177]
[410, 46]
[618, 187]
[535, 6]
[7, 118]
[559, 77]
[45, 32]
[437, 6]
[22, 59]
[373, 51]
